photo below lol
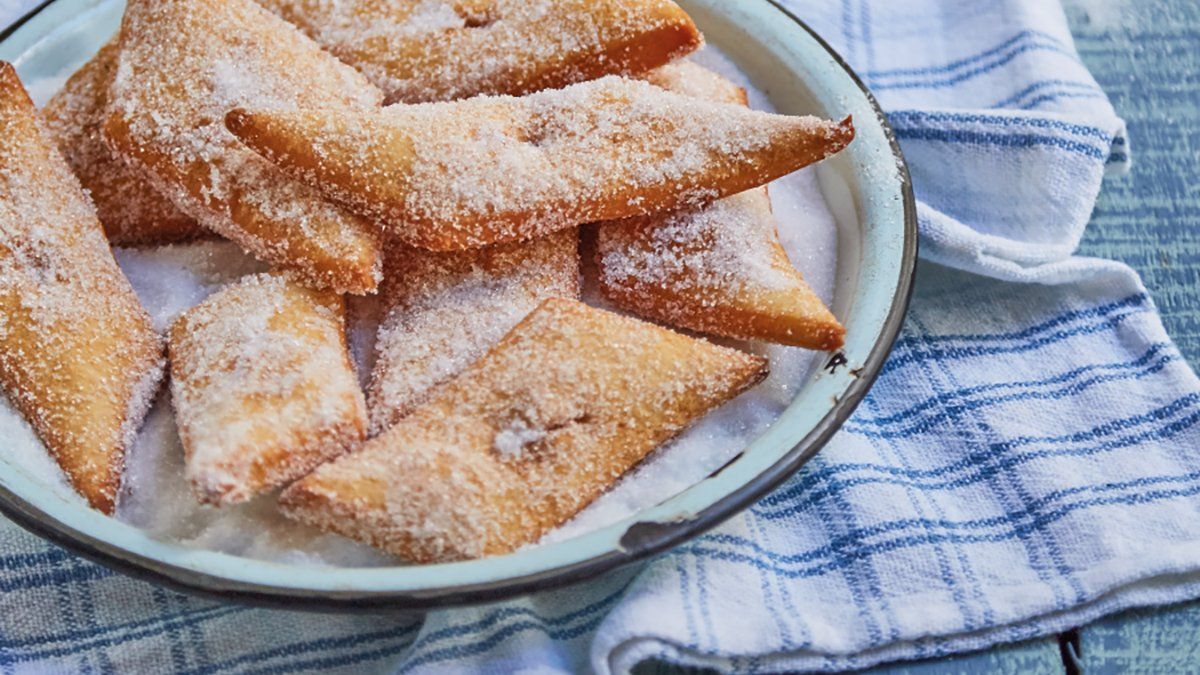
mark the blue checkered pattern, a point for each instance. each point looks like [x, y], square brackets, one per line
[1029, 459]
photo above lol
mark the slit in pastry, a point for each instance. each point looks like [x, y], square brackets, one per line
[520, 441]
[465, 174]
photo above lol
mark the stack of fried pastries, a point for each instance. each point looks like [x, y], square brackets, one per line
[498, 404]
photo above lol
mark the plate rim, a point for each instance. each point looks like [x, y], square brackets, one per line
[641, 540]
[24, 19]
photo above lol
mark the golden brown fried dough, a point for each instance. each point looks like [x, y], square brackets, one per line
[263, 387]
[465, 174]
[692, 79]
[717, 268]
[445, 310]
[78, 356]
[523, 439]
[439, 50]
[183, 65]
[132, 213]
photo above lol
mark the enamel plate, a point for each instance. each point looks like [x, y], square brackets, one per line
[867, 189]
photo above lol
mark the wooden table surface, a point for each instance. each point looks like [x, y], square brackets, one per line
[1146, 55]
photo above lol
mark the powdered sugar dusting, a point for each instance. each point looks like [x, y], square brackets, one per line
[155, 493]
[77, 353]
[130, 213]
[568, 400]
[716, 268]
[171, 279]
[158, 499]
[725, 245]
[808, 232]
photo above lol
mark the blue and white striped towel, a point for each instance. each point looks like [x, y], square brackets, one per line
[1029, 460]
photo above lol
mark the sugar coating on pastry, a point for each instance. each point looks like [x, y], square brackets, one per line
[692, 79]
[263, 387]
[444, 310]
[132, 213]
[568, 401]
[440, 50]
[78, 356]
[465, 174]
[717, 268]
[182, 65]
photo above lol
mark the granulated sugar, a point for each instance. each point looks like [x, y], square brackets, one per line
[157, 498]
[437, 50]
[808, 232]
[171, 279]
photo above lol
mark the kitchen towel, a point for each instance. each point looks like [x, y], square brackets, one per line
[1028, 460]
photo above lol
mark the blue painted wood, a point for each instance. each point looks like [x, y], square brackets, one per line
[1036, 657]
[1145, 642]
[1147, 57]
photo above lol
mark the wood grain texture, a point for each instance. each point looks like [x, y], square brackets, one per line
[1036, 657]
[1147, 58]
[1145, 642]
[1146, 55]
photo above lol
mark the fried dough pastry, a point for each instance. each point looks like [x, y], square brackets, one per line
[524, 438]
[692, 79]
[717, 268]
[131, 213]
[439, 50]
[263, 387]
[182, 65]
[448, 176]
[78, 356]
[445, 310]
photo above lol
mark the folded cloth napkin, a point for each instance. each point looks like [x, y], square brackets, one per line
[1028, 461]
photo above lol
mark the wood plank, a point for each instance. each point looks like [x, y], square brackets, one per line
[1024, 658]
[1145, 642]
[1147, 58]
